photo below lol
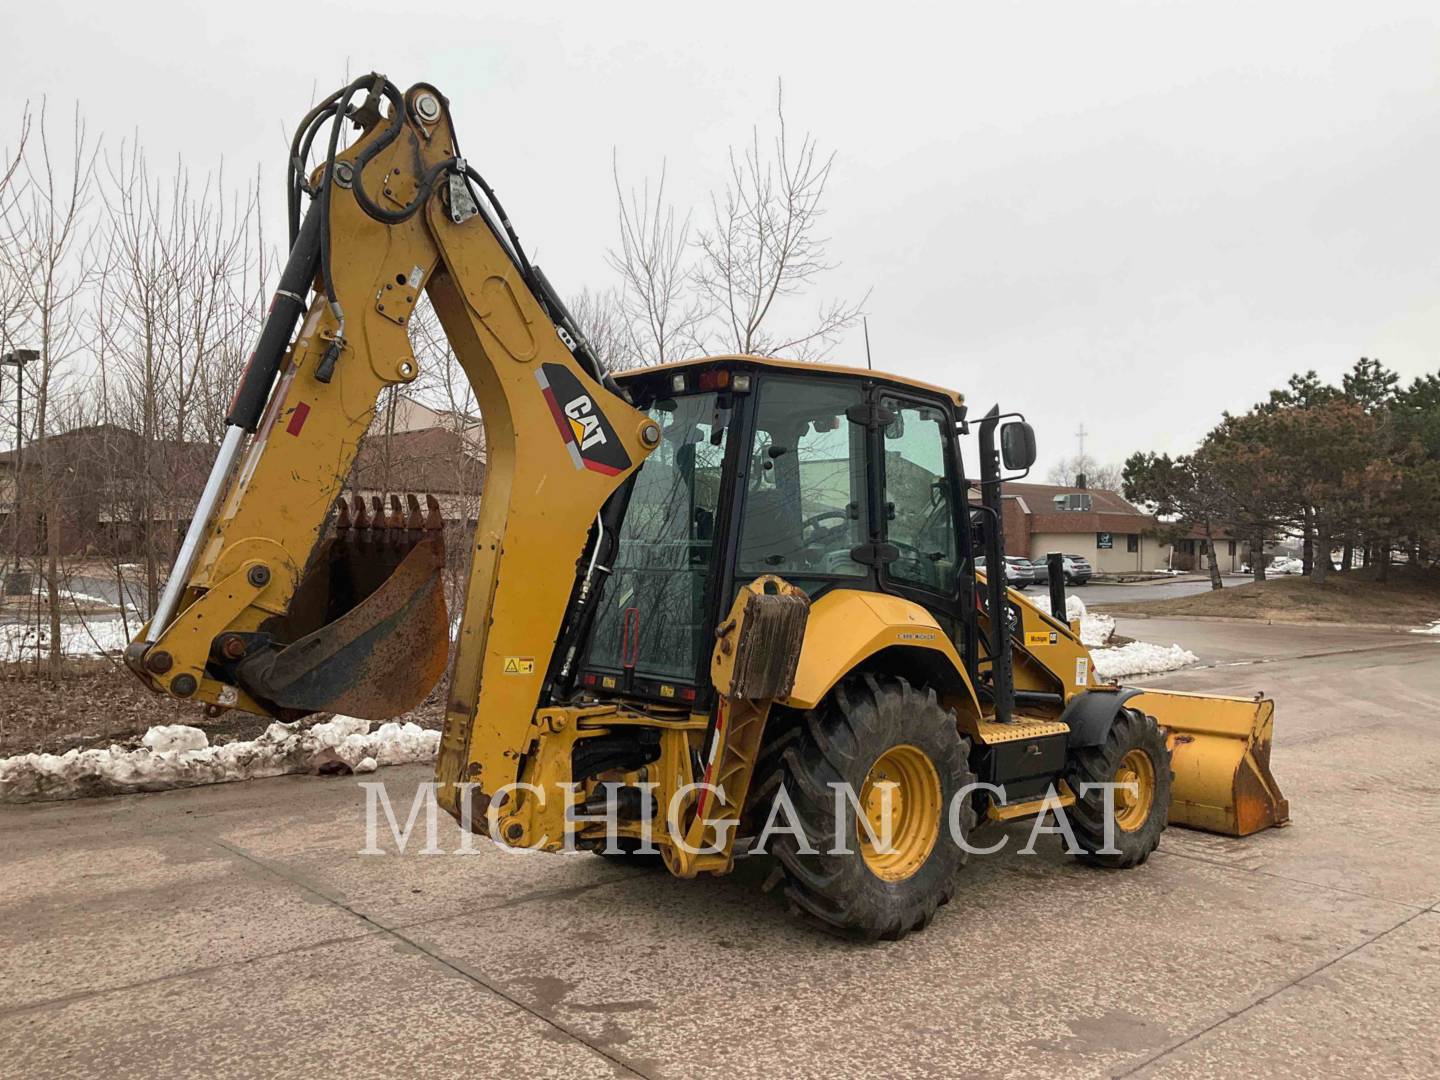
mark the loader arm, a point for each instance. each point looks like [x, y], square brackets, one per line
[240, 624]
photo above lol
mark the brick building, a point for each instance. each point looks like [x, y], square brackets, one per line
[1115, 535]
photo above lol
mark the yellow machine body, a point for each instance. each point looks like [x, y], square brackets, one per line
[559, 444]
[1220, 753]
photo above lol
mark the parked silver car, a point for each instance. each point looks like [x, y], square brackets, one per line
[1018, 573]
[1078, 570]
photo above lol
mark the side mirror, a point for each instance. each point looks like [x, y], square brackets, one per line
[1017, 445]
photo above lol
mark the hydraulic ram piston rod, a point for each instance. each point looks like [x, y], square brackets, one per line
[247, 407]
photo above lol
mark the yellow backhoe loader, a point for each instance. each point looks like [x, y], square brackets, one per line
[699, 594]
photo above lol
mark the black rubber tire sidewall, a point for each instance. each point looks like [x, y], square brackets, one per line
[864, 717]
[1131, 730]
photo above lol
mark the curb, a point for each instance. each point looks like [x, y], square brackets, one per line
[1399, 628]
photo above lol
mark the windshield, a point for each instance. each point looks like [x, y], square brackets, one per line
[652, 613]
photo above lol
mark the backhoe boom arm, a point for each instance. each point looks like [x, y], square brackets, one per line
[259, 613]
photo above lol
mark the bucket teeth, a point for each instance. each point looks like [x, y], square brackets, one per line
[390, 521]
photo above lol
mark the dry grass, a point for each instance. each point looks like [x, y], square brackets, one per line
[97, 703]
[1409, 598]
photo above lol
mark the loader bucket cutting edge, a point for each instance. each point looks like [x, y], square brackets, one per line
[377, 660]
[1220, 754]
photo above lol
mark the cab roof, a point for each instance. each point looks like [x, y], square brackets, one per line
[804, 366]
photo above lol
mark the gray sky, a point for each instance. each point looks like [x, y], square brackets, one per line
[1132, 215]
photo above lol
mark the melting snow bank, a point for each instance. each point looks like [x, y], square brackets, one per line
[93, 637]
[176, 755]
[1095, 630]
[1123, 661]
[1140, 658]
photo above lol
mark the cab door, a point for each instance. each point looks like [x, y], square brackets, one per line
[918, 484]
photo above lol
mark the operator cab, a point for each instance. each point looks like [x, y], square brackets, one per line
[829, 477]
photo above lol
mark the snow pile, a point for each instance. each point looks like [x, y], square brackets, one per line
[1123, 661]
[1095, 630]
[70, 596]
[1140, 658]
[168, 738]
[94, 637]
[176, 755]
[1433, 628]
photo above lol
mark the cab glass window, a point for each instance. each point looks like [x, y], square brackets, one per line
[653, 614]
[805, 494]
[918, 517]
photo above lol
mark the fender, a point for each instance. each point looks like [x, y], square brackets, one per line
[1091, 713]
[847, 627]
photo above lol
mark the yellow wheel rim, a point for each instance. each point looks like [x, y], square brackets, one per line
[1133, 802]
[912, 812]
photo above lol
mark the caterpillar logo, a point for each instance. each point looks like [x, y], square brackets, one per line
[587, 433]
[584, 422]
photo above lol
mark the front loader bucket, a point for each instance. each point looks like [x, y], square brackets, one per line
[1220, 753]
[381, 584]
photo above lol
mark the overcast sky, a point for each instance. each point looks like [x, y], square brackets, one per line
[1127, 215]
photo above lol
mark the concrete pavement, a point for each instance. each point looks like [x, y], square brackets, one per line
[236, 930]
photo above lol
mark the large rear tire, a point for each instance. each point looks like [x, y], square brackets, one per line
[870, 732]
[1134, 752]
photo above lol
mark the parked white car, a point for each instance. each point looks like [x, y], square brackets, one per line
[1018, 572]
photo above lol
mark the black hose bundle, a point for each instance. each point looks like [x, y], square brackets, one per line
[336, 108]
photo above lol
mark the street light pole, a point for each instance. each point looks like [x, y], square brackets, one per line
[18, 358]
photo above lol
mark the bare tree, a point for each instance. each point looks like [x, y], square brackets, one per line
[602, 317]
[1067, 471]
[43, 242]
[662, 312]
[173, 314]
[12, 295]
[764, 246]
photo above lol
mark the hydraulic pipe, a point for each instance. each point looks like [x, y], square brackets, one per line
[247, 406]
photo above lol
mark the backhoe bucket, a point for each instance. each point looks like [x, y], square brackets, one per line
[1220, 753]
[377, 592]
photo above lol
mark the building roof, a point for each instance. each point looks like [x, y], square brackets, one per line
[433, 460]
[114, 449]
[1110, 512]
[1040, 499]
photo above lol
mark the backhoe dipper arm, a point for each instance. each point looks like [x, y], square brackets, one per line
[262, 615]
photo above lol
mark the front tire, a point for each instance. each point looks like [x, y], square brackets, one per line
[870, 732]
[1134, 752]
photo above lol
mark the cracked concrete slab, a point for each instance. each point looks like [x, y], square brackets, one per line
[237, 929]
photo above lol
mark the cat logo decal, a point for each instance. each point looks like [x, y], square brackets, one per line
[588, 435]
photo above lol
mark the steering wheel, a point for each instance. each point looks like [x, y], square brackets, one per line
[814, 520]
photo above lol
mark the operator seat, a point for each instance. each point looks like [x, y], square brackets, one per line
[770, 536]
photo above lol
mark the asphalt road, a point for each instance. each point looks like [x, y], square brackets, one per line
[1097, 592]
[236, 930]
